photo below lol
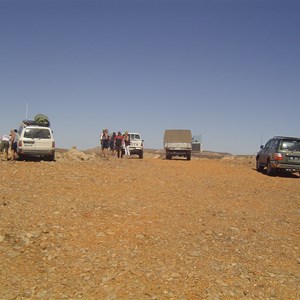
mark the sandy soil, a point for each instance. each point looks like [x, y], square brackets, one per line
[84, 227]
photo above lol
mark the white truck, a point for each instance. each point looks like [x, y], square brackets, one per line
[178, 142]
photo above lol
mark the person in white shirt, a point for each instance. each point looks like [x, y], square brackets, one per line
[5, 144]
[126, 144]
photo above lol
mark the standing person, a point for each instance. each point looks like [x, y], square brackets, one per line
[5, 144]
[118, 144]
[14, 143]
[1, 146]
[127, 143]
[112, 143]
[102, 135]
[105, 143]
[101, 141]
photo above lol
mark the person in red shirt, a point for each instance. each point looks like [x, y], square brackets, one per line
[119, 144]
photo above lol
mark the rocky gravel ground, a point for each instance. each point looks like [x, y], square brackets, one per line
[84, 227]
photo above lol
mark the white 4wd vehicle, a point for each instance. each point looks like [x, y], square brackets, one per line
[35, 141]
[136, 144]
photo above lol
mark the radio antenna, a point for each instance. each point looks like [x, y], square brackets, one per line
[26, 116]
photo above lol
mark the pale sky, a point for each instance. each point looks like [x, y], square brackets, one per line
[228, 70]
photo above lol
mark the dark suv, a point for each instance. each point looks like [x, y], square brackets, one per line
[280, 153]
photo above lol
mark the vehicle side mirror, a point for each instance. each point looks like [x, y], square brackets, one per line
[261, 146]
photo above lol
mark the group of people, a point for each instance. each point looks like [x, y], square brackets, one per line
[9, 141]
[115, 143]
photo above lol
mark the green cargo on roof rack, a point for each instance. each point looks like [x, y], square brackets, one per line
[42, 120]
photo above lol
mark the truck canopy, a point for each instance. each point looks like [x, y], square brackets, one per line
[178, 136]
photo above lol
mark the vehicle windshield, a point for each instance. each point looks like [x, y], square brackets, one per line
[290, 145]
[37, 133]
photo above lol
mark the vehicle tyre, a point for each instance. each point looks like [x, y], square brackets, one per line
[21, 157]
[168, 156]
[188, 157]
[270, 171]
[141, 155]
[50, 157]
[259, 167]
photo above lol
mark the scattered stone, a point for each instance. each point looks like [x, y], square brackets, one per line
[88, 228]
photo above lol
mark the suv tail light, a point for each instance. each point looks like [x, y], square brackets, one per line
[278, 156]
[20, 143]
[53, 144]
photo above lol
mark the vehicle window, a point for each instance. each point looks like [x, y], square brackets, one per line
[290, 145]
[37, 133]
[267, 146]
[135, 137]
[273, 144]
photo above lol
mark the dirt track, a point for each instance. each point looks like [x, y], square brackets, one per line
[148, 229]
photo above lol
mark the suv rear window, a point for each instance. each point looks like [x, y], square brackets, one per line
[290, 145]
[135, 137]
[37, 133]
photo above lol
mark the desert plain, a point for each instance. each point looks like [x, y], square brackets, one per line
[85, 227]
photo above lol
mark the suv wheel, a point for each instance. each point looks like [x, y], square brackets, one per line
[141, 154]
[270, 171]
[49, 157]
[259, 167]
[21, 157]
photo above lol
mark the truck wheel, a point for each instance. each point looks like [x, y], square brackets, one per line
[188, 157]
[168, 156]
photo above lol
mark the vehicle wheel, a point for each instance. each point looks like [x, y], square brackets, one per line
[50, 157]
[270, 171]
[21, 157]
[141, 155]
[188, 157]
[259, 167]
[168, 156]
